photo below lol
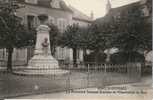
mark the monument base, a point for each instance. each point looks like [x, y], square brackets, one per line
[42, 65]
[30, 72]
[43, 62]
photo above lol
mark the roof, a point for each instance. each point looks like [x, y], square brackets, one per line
[124, 8]
[115, 11]
[78, 15]
[46, 4]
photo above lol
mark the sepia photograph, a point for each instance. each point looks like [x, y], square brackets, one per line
[76, 49]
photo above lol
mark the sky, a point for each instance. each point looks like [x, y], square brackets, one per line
[98, 7]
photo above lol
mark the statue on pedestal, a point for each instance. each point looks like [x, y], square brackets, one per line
[42, 55]
[45, 45]
[42, 63]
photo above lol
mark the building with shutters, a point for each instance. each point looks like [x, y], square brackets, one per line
[59, 14]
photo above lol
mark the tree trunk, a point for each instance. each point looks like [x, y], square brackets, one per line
[96, 55]
[108, 56]
[75, 57]
[53, 50]
[84, 54]
[9, 60]
[129, 57]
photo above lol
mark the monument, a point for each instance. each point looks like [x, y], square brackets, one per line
[42, 58]
[42, 62]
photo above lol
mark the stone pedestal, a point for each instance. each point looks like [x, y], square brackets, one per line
[42, 63]
[40, 60]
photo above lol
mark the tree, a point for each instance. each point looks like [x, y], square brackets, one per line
[84, 40]
[54, 37]
[131, 33]
[13, 34]
[99, 37]
[71, 39]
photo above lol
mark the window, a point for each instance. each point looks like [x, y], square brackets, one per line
[31, 21]
[145, 11]
[55, 4]
[61, 53]
[31, 1]
[117, 16]
[61, 23]
[78, 54]
[51, 20]
[2, 54]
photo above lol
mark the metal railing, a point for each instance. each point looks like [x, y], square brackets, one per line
[85, 75]
[106, 74]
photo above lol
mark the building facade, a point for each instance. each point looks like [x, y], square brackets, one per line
[59, 14]
[112, 13]
[145, 6]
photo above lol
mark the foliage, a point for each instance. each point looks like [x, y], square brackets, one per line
[92, 56]
[133, 33]
[12, 33]
[99, 36]
[72, 38]
[130, 34]
[122, 57]
[54, 37]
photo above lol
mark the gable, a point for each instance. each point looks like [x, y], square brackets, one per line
[31, 1]
[78, 15]
[53, 4]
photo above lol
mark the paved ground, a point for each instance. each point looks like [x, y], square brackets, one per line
[17, 86]
[135, 91]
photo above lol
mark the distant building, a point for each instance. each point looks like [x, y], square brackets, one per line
[114, 13]
[146, 6]
[59, 14]
[79, 18]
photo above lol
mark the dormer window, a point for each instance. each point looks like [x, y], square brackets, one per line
[31, 1]
[55, 3]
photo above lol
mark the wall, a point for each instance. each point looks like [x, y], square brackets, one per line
[81, 23]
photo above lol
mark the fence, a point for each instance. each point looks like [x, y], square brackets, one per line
[15, 64]
[101, 75]
[86, 75]
[2, 65]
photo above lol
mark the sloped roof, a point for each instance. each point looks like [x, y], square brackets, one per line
[78, 15]
[115, 11]
[46, 4]
[124, 8]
